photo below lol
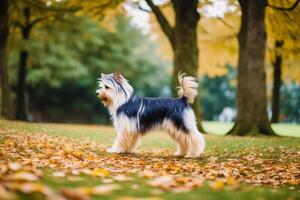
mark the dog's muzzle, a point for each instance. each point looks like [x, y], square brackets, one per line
[104, 98]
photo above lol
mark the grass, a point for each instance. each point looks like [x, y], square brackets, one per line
[282, 129]
[105, 135]
[216, 144]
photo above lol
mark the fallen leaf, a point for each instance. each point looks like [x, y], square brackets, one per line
[77, 154]
[217, 185]
[6, 195]
[14, 166]
[74, 194]
[160, 181]
[104, 189]
[23, 176]
[59, 174]
[99, 172]
[34, 187]
[121, 177]
[147, 174]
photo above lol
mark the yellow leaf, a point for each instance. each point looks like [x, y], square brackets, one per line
[3, 169]
[293, 182]
[9, 143]
[147, 174]
[14, 166]
[34, 187]
[74, 194]
[160, 181]
[77, 154]
[5, 195]
[104, 189]
[121, 177]
[23, 176]
[231, 181]
[217, 185]
[100, 172]
[59, 174]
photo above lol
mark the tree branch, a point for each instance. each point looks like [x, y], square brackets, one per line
[163, 22]
[292, 7]
[16, 24]
[37, 20]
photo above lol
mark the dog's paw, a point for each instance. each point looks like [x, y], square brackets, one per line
[178, 153]
[189, 155]
[112, 150]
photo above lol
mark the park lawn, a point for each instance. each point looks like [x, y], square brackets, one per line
[231, 167]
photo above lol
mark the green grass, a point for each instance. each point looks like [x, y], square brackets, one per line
[215, 143]
[282, 129]
[246, 192]
[105, 134]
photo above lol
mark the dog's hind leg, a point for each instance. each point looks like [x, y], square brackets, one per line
[177, 136]
[195, 140]
[196, 145]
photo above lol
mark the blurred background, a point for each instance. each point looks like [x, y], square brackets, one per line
[56, 50]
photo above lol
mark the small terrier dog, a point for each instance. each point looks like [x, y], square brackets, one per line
[133, 116]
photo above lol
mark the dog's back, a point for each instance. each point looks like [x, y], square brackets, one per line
[153, 112]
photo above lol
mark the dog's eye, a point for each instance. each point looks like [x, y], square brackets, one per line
[106, 87]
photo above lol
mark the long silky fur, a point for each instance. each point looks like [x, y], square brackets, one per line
[134, 116]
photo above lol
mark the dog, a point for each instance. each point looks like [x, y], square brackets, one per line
[133, 115]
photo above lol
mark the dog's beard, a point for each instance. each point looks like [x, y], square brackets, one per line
[105, 100]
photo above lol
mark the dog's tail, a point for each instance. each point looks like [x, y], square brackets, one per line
[188, 87]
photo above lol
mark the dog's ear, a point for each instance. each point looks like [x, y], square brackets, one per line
[118, 76]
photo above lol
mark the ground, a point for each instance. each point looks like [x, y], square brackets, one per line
[59, 161]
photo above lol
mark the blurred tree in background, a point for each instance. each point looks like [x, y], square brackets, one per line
[6, 103]
[25, 16]
[283, 49]
[61, 65]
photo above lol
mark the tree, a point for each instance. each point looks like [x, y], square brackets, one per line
[277, 72]
[285, 35]
[21, 112]
[183, 39]
[252, 115]
[63, 67]
[6, 107]
[26, 16]
[252, 118]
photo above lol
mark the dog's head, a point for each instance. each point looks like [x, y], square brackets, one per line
[114, 90]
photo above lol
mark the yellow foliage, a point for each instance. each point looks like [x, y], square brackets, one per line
[217, 41]
[104, 11]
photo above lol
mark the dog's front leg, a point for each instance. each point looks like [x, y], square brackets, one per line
[124, 143]
[116, 147]
[180, 150]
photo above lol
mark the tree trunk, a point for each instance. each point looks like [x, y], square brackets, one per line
[6, 107]
[252, 118]
[186, 52]
[276, 82]
[21, 85]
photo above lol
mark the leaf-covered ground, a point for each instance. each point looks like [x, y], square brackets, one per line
[56, 161]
